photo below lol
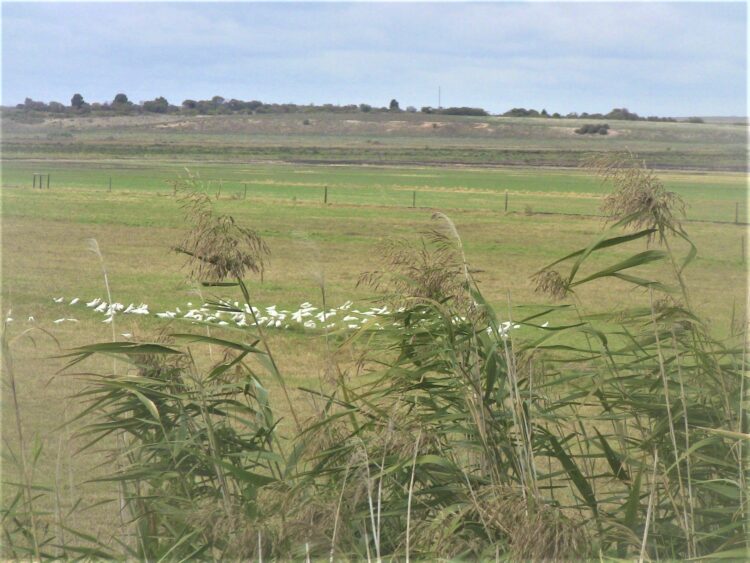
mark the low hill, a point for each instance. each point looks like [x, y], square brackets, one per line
[372, 138]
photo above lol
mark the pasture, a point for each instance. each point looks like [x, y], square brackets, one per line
[318, 248]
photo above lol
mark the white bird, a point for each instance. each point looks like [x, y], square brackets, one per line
[142, 309]
[127, 335]
[301, 314]
[309, 324]
[74, 301]
[56, 321]
[57, 299]
[94, 303]
[31, 319]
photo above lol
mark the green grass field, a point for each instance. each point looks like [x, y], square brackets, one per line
[710, 197]
[551, 211]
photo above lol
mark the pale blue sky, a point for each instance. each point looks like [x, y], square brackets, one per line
[675, 59]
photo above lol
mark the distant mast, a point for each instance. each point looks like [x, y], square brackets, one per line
[439, 106]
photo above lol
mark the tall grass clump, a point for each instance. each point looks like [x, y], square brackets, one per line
[36, 510]
[461, 430]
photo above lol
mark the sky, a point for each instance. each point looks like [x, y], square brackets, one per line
[667, 59]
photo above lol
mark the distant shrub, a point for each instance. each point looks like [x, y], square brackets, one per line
[695, 120]
[306, 122]
[592, 129]
[478, 112]
[76, 101]
[622, 113]
[521, 112]
[158, 105]
[56, 107]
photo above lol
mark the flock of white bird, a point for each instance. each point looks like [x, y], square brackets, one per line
[241, 315]
[307, 316]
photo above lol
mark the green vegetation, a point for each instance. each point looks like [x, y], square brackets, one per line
[710, 197]
[589, 129]
[441, 435]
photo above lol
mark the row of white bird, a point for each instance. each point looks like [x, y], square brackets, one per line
[306, 316]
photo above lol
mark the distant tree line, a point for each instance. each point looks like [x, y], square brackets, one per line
[620, 114]
[121, 105]
[217, 105]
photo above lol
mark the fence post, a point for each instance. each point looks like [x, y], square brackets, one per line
[325, 195]
[47, 181]
[33, 181]
[218, 193]
[245, 196]
[414, 198]
[110, 183]
[736, 212]
[506, 201]
[742, 249]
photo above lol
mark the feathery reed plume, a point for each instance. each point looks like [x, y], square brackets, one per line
[639, 198]
[551, 283]
[433, 269]
[216, 246]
